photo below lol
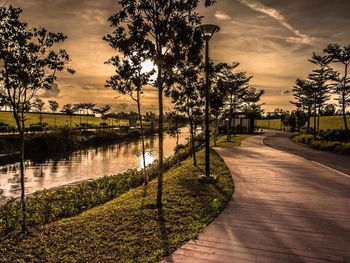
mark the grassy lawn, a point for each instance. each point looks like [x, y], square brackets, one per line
[60, 120]
[130, 228]
[274, 124]
[235, 142]
[326, 122]
[331, 122]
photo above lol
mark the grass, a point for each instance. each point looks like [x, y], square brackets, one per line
[326, 123]
[274, 124]
[33, 118]
[331, 122]
[235, 142]
[130, 228]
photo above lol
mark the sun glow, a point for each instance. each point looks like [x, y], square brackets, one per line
[148, 66]
[149, 158]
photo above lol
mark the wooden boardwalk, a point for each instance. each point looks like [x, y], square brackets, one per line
[284, 209]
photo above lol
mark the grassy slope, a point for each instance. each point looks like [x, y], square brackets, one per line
[236, 141]
[269, 124]
[129, 228]
[33, 118]
[331, 122]
[326, 122]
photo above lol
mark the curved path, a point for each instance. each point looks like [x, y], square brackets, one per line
[282, 141]
[284, 209]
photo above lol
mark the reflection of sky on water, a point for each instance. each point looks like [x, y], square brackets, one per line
[82, 165]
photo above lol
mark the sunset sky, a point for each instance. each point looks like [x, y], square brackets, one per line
[272, 39]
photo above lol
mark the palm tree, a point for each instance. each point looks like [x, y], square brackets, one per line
[53, 107]
[69, 109]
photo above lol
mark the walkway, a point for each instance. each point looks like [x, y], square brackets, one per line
[281, 141]
[284, 209]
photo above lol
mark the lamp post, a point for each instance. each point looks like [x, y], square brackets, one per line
[207, 32]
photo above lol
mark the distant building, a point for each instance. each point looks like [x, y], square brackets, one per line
[241, 123]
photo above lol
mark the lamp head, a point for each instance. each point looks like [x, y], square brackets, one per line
[208, 30]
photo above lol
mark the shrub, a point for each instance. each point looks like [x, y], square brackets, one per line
[50, 205]
[335, 135]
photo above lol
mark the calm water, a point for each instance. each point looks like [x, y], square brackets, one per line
[82, 165]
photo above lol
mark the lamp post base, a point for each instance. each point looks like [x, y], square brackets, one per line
[207, 179]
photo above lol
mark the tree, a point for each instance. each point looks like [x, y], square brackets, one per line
[53, 107]
[39, 106]
[236, 86]
[328, 110]
[218, 93]
[87, 106]
[341, 55]
[217, 102]
[30, 64]
[186, 95]
[103, 111]
[320, 78]
[79, 107]
[303, 92]
[129, 79]
[251, 103]
[69, 109]
[163, 28]
[174, 130]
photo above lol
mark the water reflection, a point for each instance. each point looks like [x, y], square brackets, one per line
[82, 165]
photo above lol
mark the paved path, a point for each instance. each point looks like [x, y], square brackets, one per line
[282, 141]
[284, 209]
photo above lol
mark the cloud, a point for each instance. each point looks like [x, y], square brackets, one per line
[285, 92]
[54, 92]
[220, 15]
[298, 38]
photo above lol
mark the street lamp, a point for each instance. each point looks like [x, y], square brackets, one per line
[207, 32]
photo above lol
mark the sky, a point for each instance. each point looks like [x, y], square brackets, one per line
[272, 40]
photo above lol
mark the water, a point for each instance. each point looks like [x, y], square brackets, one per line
[82, 165]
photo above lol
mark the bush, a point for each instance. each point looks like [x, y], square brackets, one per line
[335, 135]
[4, 127]
[324, 145]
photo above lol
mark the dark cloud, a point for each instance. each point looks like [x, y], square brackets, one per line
[54, 92]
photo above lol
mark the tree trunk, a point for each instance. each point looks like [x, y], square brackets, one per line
[145, 177]
[344, 99]
[23, 202]
[193, 142]
[318, 119]
[308, 119]
[21, 125]
[315, 114]
[229, 121]
[177, 148]
[41, 118]
[216, 130]
[160, 135]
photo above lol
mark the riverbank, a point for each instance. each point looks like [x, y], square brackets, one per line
[67, 140]
[130, 228]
